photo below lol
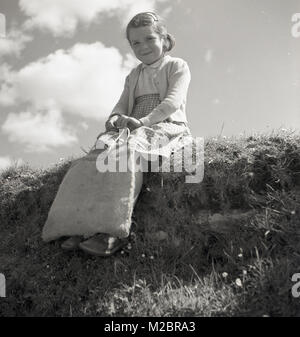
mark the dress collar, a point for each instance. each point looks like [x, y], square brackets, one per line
[154, 65]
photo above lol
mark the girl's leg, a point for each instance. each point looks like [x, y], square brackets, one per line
[138, 174]
[138, 185]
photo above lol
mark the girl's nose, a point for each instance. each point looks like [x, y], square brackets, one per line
[144, 45]
[144, 48]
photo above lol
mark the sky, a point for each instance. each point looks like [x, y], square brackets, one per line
[63, 64]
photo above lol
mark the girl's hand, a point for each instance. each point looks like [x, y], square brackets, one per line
[122, 122]
[133, 123]
[110, 124]
[130, 122]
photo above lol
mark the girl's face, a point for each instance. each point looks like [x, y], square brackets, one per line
[146, 44]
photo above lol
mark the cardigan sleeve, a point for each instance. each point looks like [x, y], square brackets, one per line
[179, 80]
[122, 106]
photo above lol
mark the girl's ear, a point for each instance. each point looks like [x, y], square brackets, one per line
[166, 45]
[170, 42]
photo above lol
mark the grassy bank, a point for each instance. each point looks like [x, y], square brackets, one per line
[226, 247]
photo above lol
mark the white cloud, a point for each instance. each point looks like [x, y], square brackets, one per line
[6, 162]
[2, 25]
[38, 132]
[85, 80]
[7, 91]
[61, 17]
[14, 42]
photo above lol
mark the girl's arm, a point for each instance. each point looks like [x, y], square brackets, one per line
[179, 81]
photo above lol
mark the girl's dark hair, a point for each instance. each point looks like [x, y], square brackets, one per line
[152, 19]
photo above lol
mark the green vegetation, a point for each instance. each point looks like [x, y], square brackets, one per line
[226, 247]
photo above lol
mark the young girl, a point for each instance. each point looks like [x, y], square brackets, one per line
[152, 107]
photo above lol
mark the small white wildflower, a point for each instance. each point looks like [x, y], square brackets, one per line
[224, 274]
[293, 212]
[129, 246]
[152, 257]
[244, 272]
[238, 282]
[240, 255]
[148, 189]
[267, 232]
[122, 252]
[111, 241]
[143, 255]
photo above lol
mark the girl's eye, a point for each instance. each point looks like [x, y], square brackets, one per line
[135, 43]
